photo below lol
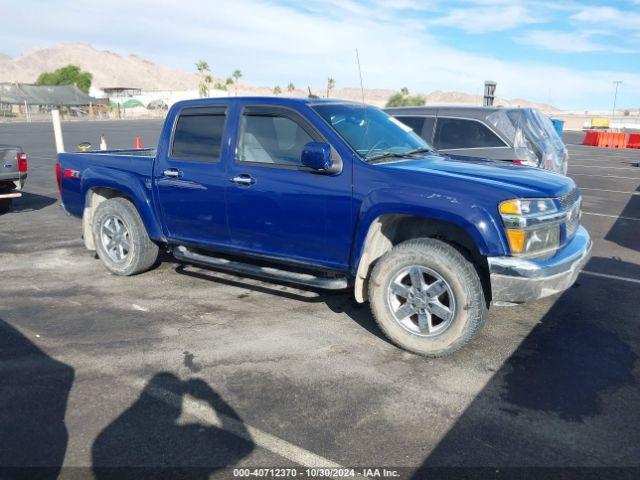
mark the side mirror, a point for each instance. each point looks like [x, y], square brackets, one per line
[317, 156]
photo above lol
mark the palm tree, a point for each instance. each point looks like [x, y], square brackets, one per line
[204, 86]
[290, 88]
[237, 75]
[205, 79]
[277, 90]
[331, 83]
[404, 91]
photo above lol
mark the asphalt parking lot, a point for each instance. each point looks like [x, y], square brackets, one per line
[186, 367]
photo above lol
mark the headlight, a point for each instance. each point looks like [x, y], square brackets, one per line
[533, 241]
[530, 206]
[532, 225]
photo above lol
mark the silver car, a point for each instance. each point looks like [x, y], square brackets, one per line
[13, 174]
[524, 136]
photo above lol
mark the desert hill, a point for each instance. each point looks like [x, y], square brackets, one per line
[112, 70]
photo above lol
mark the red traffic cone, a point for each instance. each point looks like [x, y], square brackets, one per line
[138, 142]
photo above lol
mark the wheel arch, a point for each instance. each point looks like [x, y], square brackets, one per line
[96, 194]
[390, 229]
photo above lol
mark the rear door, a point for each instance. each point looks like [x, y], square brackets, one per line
[469, 137]
[276, 206]
[422, 125]
[191, 178]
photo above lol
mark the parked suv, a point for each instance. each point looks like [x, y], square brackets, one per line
[523, 136]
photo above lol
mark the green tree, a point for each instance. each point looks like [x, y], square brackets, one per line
[205, 78]
[237, 75]
[331, 84]
[403, 99]
[69, 75]
[277, 90]
[291, 87]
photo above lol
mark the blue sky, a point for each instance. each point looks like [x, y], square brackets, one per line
[566, 53]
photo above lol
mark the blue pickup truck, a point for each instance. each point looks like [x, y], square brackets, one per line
[333, 195]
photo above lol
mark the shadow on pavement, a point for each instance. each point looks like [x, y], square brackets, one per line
[150, 440]
[34, 389]
[566, 397]
[337, 301]
[31, 201]
[624, 232]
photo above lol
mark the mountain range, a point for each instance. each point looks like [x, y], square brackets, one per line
[110, 69]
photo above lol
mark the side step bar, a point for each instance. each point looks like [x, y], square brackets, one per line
[11, 195]
[336, 283]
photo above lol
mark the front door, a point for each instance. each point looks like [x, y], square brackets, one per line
[275, 205]
[191, 178]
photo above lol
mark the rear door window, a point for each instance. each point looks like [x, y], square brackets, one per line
[454, 133]
[423, 126]
[198, 134]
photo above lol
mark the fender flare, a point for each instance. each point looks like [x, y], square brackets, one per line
[375, 237]
[126, 185]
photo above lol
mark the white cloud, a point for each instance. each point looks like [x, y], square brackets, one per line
[494, 18]
[274, 44]
[610, 17]
[569, 42]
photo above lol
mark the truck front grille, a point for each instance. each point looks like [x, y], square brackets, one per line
[569, 199]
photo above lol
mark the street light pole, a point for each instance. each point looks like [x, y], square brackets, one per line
[615, 97]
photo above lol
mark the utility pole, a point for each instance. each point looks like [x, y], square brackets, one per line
[615, 97]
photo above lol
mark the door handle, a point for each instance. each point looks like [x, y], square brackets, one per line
[243, 179]
[172, 172]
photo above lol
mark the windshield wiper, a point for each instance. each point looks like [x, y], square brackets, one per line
[399, 154]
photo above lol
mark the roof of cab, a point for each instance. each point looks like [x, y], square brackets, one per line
[267, 100]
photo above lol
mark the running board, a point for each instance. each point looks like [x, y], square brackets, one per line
[11, 195]
[335, 283]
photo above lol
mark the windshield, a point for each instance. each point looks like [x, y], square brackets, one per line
[370, 131]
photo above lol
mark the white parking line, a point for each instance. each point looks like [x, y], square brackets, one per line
[602, 176]
[636, 169]
[612, 191]
[613, 277]
[203, 412]
[611, 216]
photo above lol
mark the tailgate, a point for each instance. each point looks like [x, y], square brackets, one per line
[9, 167]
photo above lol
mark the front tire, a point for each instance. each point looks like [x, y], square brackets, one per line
[427, 297]
[121, 239]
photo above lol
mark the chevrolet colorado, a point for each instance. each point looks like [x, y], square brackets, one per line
[333, 194]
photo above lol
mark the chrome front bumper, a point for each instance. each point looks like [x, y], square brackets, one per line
[519, 280]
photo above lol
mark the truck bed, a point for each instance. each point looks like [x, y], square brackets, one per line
[118, 169]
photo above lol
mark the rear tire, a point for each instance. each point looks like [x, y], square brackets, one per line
[121, 239]
[427, 297]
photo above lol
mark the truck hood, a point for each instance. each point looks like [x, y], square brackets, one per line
[516, 180]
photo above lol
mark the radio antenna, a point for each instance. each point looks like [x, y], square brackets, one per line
[360, 73]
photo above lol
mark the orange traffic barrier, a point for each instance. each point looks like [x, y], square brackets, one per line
[604, 139]
[612, 140]
[138, 142]
[634, 140]
[590, 138]
[623, 140]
